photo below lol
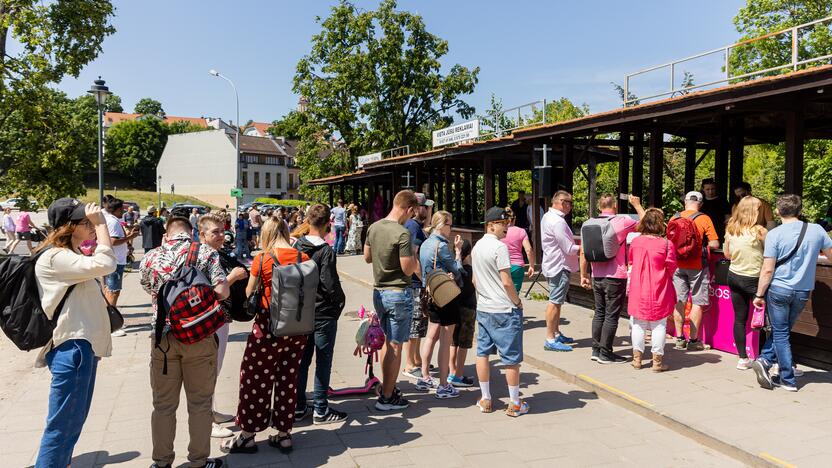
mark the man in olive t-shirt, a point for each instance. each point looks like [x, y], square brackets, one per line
[389, 249]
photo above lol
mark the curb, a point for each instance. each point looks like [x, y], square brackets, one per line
[642, 408]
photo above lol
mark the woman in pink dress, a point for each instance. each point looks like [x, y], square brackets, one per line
[652, 296]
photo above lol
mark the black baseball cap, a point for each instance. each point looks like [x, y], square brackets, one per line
[495, 213]
[65, 210]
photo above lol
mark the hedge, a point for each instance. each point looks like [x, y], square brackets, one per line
[287, 203]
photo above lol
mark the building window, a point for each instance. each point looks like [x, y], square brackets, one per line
[268, 176]
[256, 179]
[244, 177]
[291, 180]
[278, 180]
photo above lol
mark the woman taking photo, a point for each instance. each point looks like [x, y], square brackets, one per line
[744, 241]
[442, 320]
[82, 332]
[517, 240]
[269, 370]
[354, 238]
[652, 296]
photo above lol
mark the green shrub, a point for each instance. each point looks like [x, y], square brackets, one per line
[288, 203]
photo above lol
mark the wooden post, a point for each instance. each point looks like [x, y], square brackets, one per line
[593, 185]
[475, 190]
[447, 200]
[737, 159]
[419, 181]
[331, 195]
[466, 191]
[537, 188]
[431, 191]
[795, 135]
[721, 159]
[623, 169]
[440, 199]
[690, 164]
[656, 167]
[638, 165]
[457, 195]
[341, 191]
[568, 167]
[488, 180]
[503, 181]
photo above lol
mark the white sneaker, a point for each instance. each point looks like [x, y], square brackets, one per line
[119, 332]
[219, 432]
[220, 418]
[744, 364]
[775, 369]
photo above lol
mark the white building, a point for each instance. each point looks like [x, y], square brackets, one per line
[202, 165]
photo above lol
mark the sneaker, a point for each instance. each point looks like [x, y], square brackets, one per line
[395, 402]
[485, 406]
[775, 369]
[517, 410]
[219, 432]
[212, 463]
[681, 343]
[302, 413]
[561, 338]
[415, 373]
[763, 377]
[797, 372]
[596, 354]
[611, 359]
[428, 384]
[330, 417]
[556, 346]
[697, 346]
[446, 391]
[220, 418]
[777, 383]
[744, 364]
[119, 332]
[461, 382]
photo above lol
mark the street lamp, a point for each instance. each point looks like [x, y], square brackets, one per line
[213, 72]
[100, 91]
[159, 187]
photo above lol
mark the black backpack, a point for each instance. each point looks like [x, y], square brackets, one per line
[21, 315]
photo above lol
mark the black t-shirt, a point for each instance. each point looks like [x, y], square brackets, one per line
[717, 209]
[152, 229]
[521, 219]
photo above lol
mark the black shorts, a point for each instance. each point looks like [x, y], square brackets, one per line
[24, 236]
[448, 315]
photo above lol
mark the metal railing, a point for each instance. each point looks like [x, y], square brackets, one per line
[397, 151]
[526, 115]
[794, 63]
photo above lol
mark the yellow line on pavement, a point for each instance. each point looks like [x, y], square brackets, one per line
[618, 392]
[776, 460]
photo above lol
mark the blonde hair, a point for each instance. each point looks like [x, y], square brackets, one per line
[439, 220]
[744, 220]
[273, 231]
[215, 218]
[301, 230]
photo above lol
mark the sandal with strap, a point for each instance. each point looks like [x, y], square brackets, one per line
[240, 444]
[275, 441]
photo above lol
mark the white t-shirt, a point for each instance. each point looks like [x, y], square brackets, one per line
[117, 232]
[488, 257]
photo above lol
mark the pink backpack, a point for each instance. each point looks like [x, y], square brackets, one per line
[370, 336]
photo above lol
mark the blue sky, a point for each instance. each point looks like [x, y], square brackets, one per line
[527, 50]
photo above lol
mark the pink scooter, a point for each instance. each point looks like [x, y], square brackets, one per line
[369, 343]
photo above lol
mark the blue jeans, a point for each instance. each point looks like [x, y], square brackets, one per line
[339, 239]
[195, 234]
[783, 307]
[394, 308]
[321, 343]
[501, 333]
[73, 365]
[241, 246]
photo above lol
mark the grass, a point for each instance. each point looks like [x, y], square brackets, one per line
[145, 198]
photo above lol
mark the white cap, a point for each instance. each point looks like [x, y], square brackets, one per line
[694, 196]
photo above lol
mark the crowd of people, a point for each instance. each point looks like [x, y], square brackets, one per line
[433, 292]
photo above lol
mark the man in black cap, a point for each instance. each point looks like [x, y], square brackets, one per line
[499, 313]
[152, 228]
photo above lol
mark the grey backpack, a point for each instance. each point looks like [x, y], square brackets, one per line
[292, 302]
[599, 239]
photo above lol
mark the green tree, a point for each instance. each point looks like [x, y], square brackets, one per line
[375, 78]
[182, 126]
[41, 152]
[134, 148]
[149, 106]
[294, 126]
[113, 103]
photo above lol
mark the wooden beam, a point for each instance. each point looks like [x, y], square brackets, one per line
[568, 168]
[341, 191]
[419, 180]
[537, 195]
[488, 180]
[721, 158]
[475, 190]
[457, 195]
[593, 185]
[618, 143]
[431, 191]
[638, 165]
[656, 167]
[331, 196]
[795, 136]
[502, 177]
[447, 201]
[466, 189]
[690, 164]
[736, 158]
[623, 169]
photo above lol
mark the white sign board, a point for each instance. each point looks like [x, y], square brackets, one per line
[362, 160]
[456, 133]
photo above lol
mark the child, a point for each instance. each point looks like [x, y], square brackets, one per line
[463, 338]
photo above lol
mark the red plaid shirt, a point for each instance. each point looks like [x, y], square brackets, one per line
[160, 264]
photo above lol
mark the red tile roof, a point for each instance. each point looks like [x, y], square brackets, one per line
[112, 118]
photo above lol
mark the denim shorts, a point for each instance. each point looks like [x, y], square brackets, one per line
[501, 333]
[558, 287]
[114, 279]
[395, 310]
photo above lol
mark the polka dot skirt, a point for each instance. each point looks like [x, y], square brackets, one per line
[268, 376]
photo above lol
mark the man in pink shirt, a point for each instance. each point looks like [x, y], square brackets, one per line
[609, 282]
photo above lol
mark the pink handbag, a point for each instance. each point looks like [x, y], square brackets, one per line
[758, 317]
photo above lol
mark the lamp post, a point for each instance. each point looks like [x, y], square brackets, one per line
[100, 91]
[213, 72]
[159, 187]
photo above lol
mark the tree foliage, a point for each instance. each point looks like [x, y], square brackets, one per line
[375, 78]
[113, 103]
[294, 126]
[149, 106]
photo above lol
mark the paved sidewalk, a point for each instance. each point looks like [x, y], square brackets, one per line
[703, 396]
[568, 426]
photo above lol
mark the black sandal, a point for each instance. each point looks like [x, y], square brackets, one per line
[240, 444]
[275, 441]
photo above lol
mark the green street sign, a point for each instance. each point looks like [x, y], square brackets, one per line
[237, 193]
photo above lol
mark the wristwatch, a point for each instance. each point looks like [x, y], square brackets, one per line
[759, 297]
